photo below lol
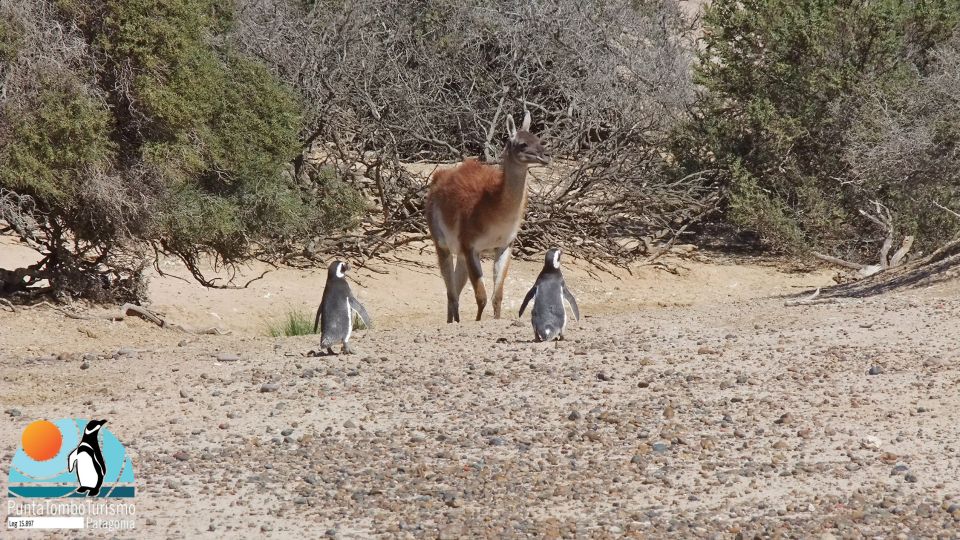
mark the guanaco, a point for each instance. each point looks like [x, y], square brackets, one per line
[474, 209]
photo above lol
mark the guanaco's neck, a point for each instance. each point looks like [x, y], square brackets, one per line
[514, 179]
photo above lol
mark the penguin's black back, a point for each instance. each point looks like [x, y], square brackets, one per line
[548, 311]
[335, 316]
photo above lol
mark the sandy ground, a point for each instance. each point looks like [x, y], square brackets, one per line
[689, 404]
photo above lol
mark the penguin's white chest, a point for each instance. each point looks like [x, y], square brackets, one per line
[86, 472]
[349, 323]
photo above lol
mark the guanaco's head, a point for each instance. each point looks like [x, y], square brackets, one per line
[523, 146]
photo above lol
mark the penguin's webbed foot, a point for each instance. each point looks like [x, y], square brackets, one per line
[346, 349]
[82, 489]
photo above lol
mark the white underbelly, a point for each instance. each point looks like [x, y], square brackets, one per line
[496, 237]
[86, 472]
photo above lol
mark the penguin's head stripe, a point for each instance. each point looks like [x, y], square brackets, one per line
[556, 258]
[94, 426]
[342, 269]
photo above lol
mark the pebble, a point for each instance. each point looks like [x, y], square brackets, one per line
[875, 370]
[660, 447]
[269, 387]
[125, 351]
[181, 455]
[574, 415]
[84, 365]
[228, 357]
[13, 413]
[603, 376]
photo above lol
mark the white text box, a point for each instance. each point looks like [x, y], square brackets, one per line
[45, 522]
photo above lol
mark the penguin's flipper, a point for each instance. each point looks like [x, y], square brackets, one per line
[568, 296]
[316, 322]
[72, 460]
[526, 299]
[358, 307]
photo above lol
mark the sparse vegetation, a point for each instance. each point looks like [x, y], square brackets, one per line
[219, 131]
[296, 322]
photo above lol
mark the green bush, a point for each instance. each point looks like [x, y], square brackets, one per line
[175, 140]
[782, 83]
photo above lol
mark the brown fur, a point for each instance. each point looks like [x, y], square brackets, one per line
[469, 197]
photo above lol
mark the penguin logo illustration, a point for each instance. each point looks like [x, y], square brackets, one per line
[549, 292]
[88, 461]
[335, 315]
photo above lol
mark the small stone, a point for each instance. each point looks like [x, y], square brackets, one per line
[910, 477]
[184, 394]
[451, 500]
[574, 415]
[269, 387]
[287, 432]
[875, 370]
[349, 424]
[181, 455]
[785, 419]
[899, 469]
[85, 365]
[13, 412]
[660, 447]
[228, 357]
[668, 412]
[603, 376]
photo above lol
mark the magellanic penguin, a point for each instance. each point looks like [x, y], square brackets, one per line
[548, 293]
[335, 315]
[88, 460]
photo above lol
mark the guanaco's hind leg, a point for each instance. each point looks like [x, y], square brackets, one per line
[475, 272]
[453, 297]
[460, 275]
[500, 267]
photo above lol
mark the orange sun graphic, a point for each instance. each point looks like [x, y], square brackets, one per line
[41, 440]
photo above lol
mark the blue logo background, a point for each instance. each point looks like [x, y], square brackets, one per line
[50, 479]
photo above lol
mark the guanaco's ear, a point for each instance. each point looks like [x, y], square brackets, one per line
[526, 120]
[511, 127]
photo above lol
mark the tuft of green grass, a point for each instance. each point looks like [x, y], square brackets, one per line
[297, 322]
[358, 323]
